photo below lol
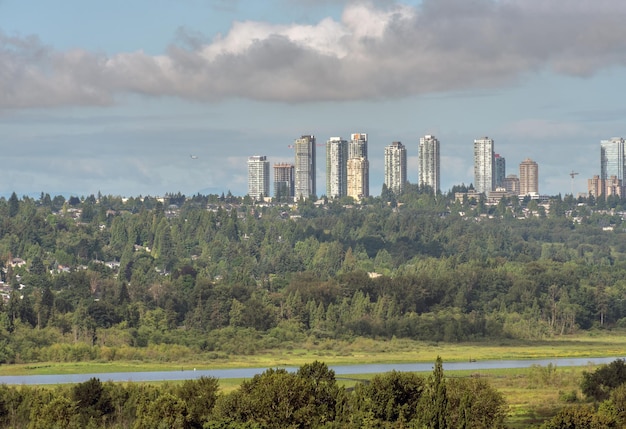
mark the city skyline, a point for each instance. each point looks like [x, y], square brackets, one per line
[145, 109]
[344, 159]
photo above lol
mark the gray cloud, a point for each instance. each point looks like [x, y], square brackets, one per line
[372, 52]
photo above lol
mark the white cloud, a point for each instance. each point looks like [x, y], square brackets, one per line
[372, 52]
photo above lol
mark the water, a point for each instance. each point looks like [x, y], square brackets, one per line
[139, 376]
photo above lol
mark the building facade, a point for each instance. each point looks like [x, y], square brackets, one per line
[258, 177]
[358, 146]
[428, 159]
[358, 178]
[612, 161]
[283, 182]
[336, 167]
[483, 165]
[499, 170]
[528, 177]
[613, 187]
[511, 184]
[395, 167]
[304, 168]
[358, 167]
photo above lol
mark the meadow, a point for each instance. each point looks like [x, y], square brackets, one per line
[532, 394]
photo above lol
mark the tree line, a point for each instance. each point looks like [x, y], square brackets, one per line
[106, 277]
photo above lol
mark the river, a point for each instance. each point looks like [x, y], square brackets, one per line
[139, 376]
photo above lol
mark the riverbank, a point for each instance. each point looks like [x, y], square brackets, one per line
[358, 351]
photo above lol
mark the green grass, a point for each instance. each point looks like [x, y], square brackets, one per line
[358, 351]
[532, 394]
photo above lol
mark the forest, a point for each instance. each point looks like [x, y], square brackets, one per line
[108, 278]
[203, 277]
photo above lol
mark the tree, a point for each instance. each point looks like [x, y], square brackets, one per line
[389, 397]
[574, 417]
[434, 403]
[14, 205]
[91, 399]
[59, 413]
[474, 404]
[278, 399]
[166, 412]
[200, 396]
[599, 384]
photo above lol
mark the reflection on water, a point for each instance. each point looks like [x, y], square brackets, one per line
[339, 370]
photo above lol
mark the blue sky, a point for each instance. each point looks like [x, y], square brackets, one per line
[114, 97]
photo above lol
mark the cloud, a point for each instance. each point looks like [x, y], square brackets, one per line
[374, 51]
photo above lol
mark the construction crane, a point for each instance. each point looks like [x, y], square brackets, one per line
[573, 175]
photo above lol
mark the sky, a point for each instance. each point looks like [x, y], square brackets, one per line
[115, 97]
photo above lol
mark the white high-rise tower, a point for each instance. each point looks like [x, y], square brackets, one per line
[336, 167]
[258, 177]
[483, 165]
[305, 167]
[395, 167]
[428, 158]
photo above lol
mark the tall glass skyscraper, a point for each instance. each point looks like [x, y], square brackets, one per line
[612, 158]
[305, 167]
[258, 177]
[395, 167]
[483, 165]
[428, 159]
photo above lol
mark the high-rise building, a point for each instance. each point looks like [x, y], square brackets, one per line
[483, 165]
[395, 167]
[499, 170]
[528, 177]
[258, 177]
[612, 160]
[428, 159]
[358, 146]
[305, 167]
[358, 167]
[283, 181]
[358, 178]
[336, 167]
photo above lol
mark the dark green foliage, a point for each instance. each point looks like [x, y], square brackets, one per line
[579, 417]
[279, 399]
[92, 401]
[599, 384]
[200, 396]
[389, 397]
[433, 405]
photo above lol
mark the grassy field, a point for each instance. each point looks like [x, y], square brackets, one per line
[358, 351]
